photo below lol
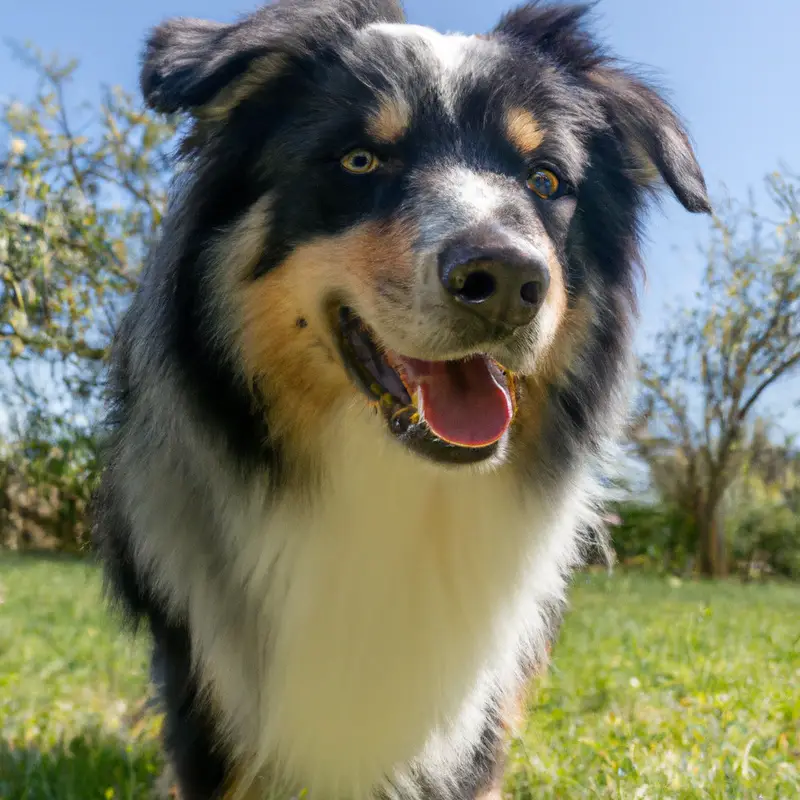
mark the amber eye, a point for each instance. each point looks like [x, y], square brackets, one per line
[360, 162]
[544, 182]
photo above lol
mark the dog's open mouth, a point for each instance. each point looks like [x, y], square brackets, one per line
[469, 403]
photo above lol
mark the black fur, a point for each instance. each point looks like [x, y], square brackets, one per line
[188, 61]
[201, 769]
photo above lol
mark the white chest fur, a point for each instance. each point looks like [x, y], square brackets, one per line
[390, 601]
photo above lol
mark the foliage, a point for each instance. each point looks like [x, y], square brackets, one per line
[764, 538]
[81, 196]
[676, 687]
[763, 506]
[760, 514]
[654, 533]
[715, 361]
[47, 481]
[770, 533]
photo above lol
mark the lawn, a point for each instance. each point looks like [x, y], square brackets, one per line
[658, 689]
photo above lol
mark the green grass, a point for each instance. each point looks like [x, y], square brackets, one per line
[657, 690]
[663, 689]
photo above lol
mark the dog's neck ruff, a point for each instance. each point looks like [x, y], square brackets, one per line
[381, 611]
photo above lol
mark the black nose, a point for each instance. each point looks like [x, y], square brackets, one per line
[495, 278]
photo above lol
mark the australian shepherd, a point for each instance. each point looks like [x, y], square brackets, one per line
[362, 396]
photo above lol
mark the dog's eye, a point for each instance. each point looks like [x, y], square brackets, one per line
[544, 182]
[360, 162]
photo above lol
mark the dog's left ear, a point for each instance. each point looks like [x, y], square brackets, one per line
[206, 68]
[652, 134]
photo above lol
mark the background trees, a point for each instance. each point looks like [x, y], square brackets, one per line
[81, 196]
[717, 359]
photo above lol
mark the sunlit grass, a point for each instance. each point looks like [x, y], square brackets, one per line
[662, 689]
[656, 690]
[72, 721]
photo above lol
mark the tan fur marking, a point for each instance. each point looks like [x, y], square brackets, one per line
[513, 714]
[513, 711]
[165, 786]
[570, 338]
[260, 72]
[295, 367]
[523, 130]
[570, 335]
[298, 368]
[642, 170]
[239, 248]
[557, 293]
[237, 791]
[391, 121]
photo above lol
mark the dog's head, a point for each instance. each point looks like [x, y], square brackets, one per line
[431, 224]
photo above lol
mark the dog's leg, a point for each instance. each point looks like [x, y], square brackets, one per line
[198, 769]
[511, 714]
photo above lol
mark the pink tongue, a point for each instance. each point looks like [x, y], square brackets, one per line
[467, 403]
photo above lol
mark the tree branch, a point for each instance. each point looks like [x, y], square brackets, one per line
[767, 382]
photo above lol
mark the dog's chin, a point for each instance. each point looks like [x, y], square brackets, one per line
[452, 412]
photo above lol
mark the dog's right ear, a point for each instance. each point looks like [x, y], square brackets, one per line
[205, 68]
[188, 62]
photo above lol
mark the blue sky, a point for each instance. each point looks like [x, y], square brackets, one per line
[728, 65]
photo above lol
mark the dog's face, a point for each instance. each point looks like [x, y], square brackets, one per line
[428, 223]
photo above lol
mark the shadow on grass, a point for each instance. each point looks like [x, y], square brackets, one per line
[90, 765]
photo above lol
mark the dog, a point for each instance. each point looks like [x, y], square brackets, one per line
[362, 398]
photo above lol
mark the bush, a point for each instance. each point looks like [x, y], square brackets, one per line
[46, 481]
[769, 533]
[763, 537]
[656, 533]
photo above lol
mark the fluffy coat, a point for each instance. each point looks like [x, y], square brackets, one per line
[338, 602]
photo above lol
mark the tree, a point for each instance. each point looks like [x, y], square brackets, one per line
[81, 196]
[713, 364]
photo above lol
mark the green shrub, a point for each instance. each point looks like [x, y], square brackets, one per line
[770, 533]
[46, 481]
[657, 533]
